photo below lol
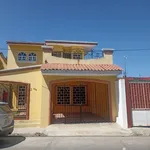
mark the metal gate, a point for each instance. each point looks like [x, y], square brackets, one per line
[80, 103]
[138, 93]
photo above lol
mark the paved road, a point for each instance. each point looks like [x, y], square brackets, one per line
[74, 143]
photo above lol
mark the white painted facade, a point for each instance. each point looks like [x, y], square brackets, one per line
[121, 101]
[141, 117]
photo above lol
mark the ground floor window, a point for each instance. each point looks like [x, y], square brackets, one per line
[79, 95]
[63, 95]
[71, 95]
[22, 97]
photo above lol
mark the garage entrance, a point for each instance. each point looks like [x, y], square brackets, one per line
[80, 102]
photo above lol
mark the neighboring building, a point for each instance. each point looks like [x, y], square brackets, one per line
[3, 65]
[3, 61]
[51, 82]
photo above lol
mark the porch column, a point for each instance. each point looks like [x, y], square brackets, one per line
[45, 103]
[121, 102]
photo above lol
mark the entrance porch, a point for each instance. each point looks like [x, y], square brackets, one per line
[78, 93]
[80, 101]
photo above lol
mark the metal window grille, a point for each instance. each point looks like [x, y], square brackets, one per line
[63, 95]
[22, 97]
[79, 95]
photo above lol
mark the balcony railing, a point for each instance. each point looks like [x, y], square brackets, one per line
[94, 54]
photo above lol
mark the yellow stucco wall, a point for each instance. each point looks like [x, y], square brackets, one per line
[13, 51]
[33, 77]
[46, 95]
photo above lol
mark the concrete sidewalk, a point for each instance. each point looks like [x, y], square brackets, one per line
[141, 131]
[98, 129]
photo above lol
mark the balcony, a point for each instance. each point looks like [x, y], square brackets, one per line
[92, 57]
[94, 54]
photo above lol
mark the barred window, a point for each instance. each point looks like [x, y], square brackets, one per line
[56, 54]
[32, 57]
[77, 56]
[22, 97]
[22, 56]
[63, 95]
[79, 96]
[74, 95]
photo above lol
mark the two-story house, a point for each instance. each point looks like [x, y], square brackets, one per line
[51, 82]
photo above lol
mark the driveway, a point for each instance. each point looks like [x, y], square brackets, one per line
[97, 129]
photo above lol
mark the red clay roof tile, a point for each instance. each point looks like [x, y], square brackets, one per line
[84, 67]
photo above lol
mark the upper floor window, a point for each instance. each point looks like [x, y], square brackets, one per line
[32, 57]
[56, 54]
[22, 56]
[67, 55]
[77, 56]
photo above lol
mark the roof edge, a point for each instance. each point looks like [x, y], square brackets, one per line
[23, 42]
[81, 73]
[20, 68]
[71, 42]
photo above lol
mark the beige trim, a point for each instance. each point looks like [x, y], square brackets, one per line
[80, 73]
[20, 68]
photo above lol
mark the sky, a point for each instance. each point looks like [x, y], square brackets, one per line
[120, 24]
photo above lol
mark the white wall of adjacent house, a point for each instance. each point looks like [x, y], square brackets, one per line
[121, 101]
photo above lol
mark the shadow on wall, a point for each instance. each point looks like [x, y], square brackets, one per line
[9, 141]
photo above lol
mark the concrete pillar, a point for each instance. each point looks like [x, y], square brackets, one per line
[121, 101]
[108, 54]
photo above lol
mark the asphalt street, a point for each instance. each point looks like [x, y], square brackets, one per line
[74, 143]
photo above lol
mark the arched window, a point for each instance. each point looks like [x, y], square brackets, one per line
[22, 56]
[32, 57]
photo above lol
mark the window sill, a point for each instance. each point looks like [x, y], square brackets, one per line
[71, 105]
[32, 62]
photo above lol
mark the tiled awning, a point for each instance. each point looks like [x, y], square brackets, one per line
[80, 69]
